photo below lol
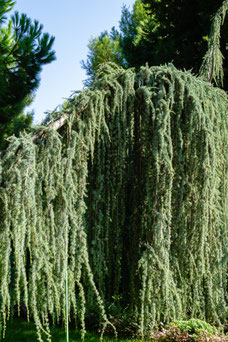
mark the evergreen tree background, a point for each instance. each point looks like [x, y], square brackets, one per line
[24, 49]
[102, 49]
[158, 32]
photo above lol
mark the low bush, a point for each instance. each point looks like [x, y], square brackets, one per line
[193, 330]
[195, 326]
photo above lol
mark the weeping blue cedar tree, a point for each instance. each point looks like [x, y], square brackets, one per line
[133, 187]
[131, 191]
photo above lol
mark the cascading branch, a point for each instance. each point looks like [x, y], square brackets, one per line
[212, 66]
[131, 191]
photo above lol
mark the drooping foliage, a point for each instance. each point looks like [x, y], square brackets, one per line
[212, 66]
[126, 199]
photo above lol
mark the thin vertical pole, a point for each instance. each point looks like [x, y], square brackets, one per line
[67, 318]
[67, 309]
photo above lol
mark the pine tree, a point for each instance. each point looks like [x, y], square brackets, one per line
[102, 49]
[24, 49]
[153, 33]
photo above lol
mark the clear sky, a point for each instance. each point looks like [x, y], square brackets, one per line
[73, 23]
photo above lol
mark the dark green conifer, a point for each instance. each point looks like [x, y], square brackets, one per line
[24, 49]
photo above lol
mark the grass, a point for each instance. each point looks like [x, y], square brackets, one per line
[21, 331]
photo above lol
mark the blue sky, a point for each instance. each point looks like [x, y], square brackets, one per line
[72, 22]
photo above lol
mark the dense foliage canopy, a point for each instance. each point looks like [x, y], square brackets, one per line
[127, 199]
[24, 49]
[161, 31]
[120, 200]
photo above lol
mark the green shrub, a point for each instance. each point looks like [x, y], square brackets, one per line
[193, 330]
[195, 326]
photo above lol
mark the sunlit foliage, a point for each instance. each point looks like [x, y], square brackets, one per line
[127, 198]
[212, 66]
